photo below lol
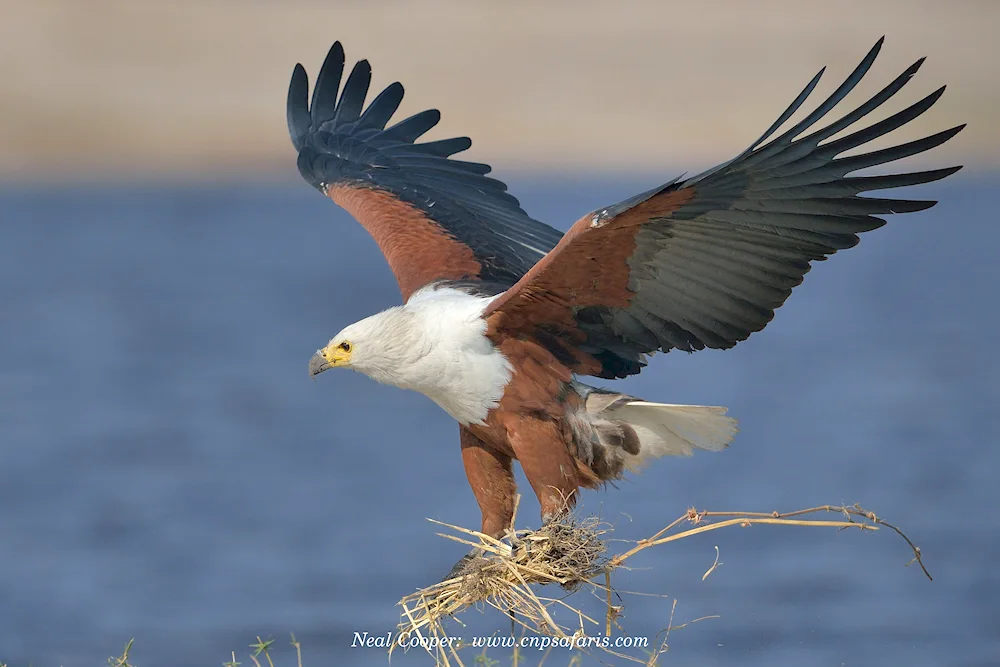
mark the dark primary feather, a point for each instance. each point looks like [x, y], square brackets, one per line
[743, 234]
[342, 143]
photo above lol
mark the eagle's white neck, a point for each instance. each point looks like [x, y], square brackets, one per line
[435, 344]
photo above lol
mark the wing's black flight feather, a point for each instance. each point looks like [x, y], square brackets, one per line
[713, 271]
[342, 143]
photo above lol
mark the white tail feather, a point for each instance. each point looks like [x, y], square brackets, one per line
[674, 430]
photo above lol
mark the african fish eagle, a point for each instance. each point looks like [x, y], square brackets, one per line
[502, 313]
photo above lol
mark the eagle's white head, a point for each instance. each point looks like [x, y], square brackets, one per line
[383, 347]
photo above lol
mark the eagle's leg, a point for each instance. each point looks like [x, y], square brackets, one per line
[491, 477]
[538, 445]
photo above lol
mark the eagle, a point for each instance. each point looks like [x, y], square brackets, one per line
[502, 315]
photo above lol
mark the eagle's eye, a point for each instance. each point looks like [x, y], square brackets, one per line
[345, 346]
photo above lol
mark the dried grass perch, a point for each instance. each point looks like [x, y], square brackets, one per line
[572, 554]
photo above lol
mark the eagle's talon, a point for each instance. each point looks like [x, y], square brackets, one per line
[554, 517]
[458, 569]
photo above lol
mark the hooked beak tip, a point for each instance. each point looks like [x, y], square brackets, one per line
[318, 364]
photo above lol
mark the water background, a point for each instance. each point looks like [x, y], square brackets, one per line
[169, 472]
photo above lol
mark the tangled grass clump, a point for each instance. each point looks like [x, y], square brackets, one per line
[572, 553]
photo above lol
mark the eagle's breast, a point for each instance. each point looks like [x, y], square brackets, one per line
[455, 364]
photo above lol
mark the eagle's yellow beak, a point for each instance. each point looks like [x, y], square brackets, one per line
[328, 358]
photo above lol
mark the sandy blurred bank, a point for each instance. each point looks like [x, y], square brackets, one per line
[185, 88]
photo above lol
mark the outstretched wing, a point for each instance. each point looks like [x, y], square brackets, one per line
[706, 261]
[433, 217]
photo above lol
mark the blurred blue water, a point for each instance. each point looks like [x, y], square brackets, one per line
[169, 472]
